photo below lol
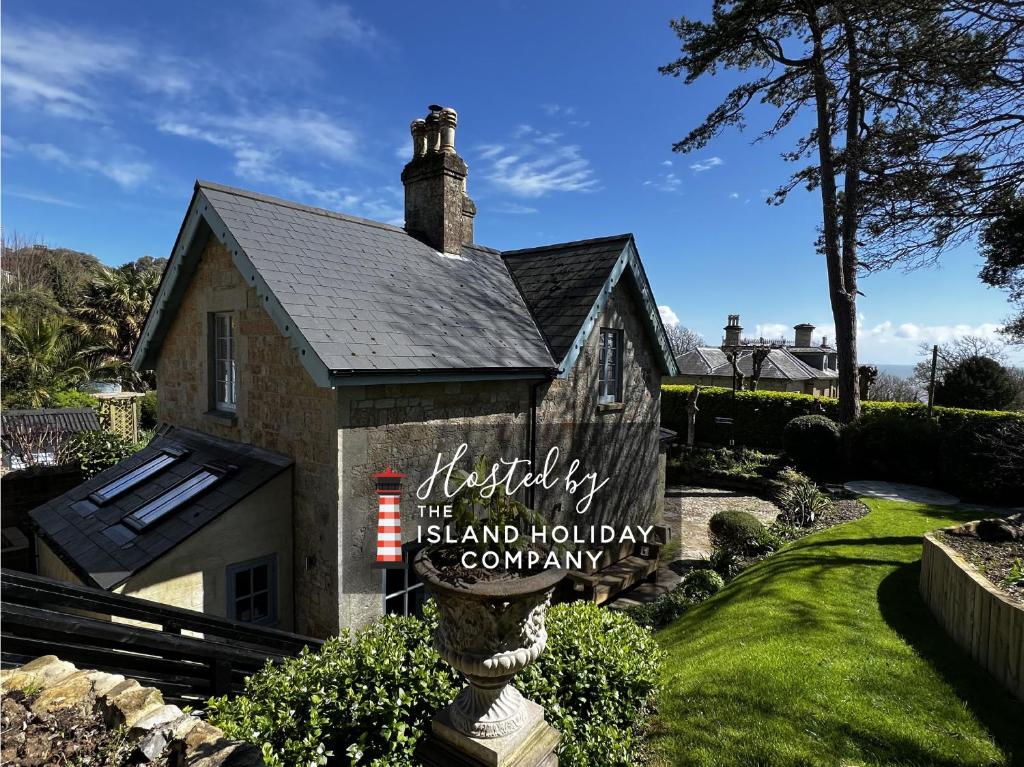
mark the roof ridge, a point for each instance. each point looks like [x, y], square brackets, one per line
[296, 205]
[571, 244]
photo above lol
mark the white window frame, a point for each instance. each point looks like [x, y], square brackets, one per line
[610, 373]
[270, 562]
[225, 388]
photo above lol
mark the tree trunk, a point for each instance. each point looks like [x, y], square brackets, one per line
[843, 300]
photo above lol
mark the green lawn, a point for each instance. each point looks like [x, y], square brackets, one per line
[824, 654]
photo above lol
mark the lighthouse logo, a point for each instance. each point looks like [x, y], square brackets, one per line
[389, 519]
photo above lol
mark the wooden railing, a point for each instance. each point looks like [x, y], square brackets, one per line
[41, 616]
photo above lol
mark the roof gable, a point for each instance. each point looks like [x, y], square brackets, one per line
[567, 286]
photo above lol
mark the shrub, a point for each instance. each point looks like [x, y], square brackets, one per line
[698, 585]
[802, 503]
[725, 562]
[893, 445]
[362, 699]
[147, 410]
[72, 398]
[736, 530]
[663, 610]
[977, 382]
[367, 698]
[812, 441]
[95, 451]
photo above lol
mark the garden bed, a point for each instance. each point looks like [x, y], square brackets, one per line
[999, 561]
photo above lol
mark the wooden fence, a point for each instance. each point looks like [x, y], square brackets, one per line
[41, 616]
[974, 613]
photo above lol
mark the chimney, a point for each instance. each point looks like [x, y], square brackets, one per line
[437, 209]
[824, 342]
[733, 331]
[802, 335]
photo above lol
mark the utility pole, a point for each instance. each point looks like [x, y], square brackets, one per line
[931, 384]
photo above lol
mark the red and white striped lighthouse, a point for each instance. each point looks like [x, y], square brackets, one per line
[389, 519]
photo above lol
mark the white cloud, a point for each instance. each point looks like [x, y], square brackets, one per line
[667, 163]
[702, 165]
[536, 164]
[912, 333]
[311, 20]
[557, 109]
[41, 197]
[126, 172]
[512, 208]
[734, 196]
[771, 330]
[669, 317]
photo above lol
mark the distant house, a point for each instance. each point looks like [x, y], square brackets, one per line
[299, 351]
[35, 437]
[797, 367]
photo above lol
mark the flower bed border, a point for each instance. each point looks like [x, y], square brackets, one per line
[974, 613]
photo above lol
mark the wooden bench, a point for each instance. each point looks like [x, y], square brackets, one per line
[621, 567]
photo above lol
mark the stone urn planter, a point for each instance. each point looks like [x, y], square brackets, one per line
[489, 630]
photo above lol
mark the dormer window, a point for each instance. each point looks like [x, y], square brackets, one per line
[222, 359]
[610, 386]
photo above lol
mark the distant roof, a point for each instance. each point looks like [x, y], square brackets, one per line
[98, 543]
[364, 301]
[65, 420]
[561, 283]
[712, 361]
[811, 349]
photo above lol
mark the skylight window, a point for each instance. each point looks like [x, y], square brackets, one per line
[170, 501]
[136, 476]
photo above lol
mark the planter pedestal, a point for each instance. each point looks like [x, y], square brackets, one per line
[532, 745]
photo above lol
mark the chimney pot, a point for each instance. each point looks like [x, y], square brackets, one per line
[733, 331]
[448, 119]
[803, 334]
[433, 123]
[418, 128]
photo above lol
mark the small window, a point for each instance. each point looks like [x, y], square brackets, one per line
[611, 366]
[403, 590]
[222, 356]
[171, 500]
[252, 590]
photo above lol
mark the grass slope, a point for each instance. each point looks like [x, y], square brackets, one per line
[824, 654]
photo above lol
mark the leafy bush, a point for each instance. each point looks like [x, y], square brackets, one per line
[985, 463]
[698, 585]
[736, 530]
[72, 398]
[595, 680]
[802, 503]
[368, 698]
[95, 451]
[362, 699]
[663, 610]
[893, 445]
[812, 441]
[147, 410]
[725, 561]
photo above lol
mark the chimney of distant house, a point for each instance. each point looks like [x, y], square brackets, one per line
[732, 331]
[824, 342]
[802, 334]
[437, 209]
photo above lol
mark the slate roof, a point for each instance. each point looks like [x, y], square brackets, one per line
[368, 297]
[712, 361]
[65, 420]
[561, 282]
[92, 539]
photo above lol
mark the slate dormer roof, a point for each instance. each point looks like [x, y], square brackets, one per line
[96, 539]
[365, 302]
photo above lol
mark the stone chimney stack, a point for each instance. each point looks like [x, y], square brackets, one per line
[733, 330]
[437, 209]
[802, 335]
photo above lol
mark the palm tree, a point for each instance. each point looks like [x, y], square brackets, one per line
[112, 315]
[42, 355]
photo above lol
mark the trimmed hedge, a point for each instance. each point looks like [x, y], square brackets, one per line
[813, 442]
[892, 440]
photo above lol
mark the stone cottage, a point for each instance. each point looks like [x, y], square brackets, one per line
[337, 347]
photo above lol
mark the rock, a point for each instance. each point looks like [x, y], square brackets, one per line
[158, 718]
[75, 691]
[202, 734]
[999, 530]
[227, 754]
[153, 744]
[129, 706]
[42, 672]
[183, 726]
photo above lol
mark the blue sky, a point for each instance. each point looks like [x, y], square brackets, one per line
[111, 110]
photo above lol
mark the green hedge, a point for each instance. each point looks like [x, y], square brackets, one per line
[892, 440]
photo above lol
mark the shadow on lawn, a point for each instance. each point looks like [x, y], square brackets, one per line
[906, 613]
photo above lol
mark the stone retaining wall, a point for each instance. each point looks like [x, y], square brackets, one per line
[163, 734]
[974, 613]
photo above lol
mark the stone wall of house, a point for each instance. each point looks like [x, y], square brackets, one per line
[405, 426]
[619, 443]
[279, 407]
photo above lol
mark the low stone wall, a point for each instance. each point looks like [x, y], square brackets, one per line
[974, 613]
[162, 734]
